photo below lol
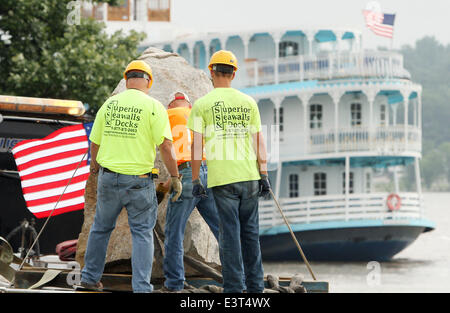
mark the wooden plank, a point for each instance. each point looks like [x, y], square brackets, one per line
[122, 282]
[203, 268]
[28, 277]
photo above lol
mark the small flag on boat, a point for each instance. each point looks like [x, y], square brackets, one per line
[47, 165]
[381, 24]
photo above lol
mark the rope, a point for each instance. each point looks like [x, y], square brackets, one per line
[293, 236]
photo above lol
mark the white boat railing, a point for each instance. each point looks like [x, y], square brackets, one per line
[381, 139]
[306, 210]
[330, 65]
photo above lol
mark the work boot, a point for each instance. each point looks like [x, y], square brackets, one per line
[165, 289]
[93, 287]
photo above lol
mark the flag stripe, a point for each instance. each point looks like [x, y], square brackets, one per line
[80, 153]
[381, 31]
[26, 144]
[54, 177]
[67, 209]
[52, 164]
[51, 185]
[51, 152]
[55, 170]
[55, 136]
[381, 27]
[61, 204]
[53, 199]
[49, 145]
[54, 191]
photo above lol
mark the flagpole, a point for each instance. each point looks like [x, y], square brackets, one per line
[392, 37]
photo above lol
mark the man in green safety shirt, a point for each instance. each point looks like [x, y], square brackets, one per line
[230, 124]
[126, 131]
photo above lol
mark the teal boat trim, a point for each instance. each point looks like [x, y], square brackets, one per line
[429, 225]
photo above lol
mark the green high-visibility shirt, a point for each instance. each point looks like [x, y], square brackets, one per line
[128, 126]
[227, 118]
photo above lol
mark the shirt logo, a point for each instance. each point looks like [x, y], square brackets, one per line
[231, 121]
[122, 120]
[217, 116]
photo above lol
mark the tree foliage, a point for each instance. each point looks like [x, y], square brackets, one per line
[429, 64]
[42, 55]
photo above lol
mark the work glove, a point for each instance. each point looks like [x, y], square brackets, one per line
[176, 186]
[264, 186]
[161, 190]
[198, 190]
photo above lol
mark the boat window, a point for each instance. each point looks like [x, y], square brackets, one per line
[280, 120]
[288, 48]
[293, 186]
[356, 114]
[368, 182]
[320, 184]
[350, 184]
[315, 116]
[383, 115]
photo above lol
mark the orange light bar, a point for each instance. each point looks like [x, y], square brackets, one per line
[41, 105]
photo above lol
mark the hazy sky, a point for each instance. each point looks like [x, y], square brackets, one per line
[415, 18]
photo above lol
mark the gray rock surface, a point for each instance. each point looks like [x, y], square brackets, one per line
[171, 73]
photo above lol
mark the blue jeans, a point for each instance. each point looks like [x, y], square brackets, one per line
[115, 191]
[177, 215]
[240, 252]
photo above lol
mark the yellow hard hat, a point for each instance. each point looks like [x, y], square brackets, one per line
[139, 65]
[223, 57]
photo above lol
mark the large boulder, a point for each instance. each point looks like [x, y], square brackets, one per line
[171, 73]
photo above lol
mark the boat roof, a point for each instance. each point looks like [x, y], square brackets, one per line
[321, 34]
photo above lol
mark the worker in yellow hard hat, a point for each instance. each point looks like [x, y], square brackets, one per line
[178, 212]
[139, 69]
[126, 131]
[229, 122]
[223, 62]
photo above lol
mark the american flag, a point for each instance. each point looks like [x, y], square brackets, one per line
[381, 24]
[47, 165]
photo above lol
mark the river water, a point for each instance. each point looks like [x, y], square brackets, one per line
[424, 266]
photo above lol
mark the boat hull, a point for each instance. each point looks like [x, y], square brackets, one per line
[373, 243]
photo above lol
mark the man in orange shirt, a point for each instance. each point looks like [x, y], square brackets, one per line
[179, 211]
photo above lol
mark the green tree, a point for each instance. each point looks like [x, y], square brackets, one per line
[42, 55]
[430, 167]
[429, 64]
